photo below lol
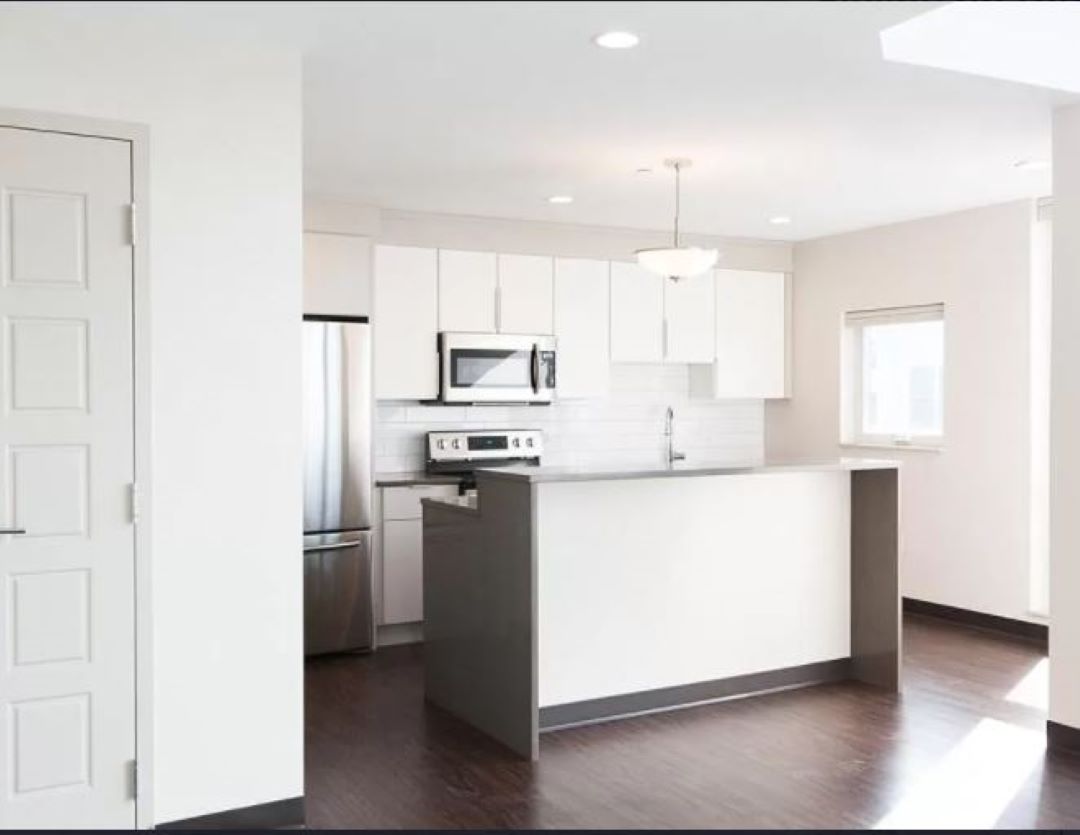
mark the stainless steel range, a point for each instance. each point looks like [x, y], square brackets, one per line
[463, 453]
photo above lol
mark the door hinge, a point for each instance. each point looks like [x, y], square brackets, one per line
[133, 502]
[131, 224]
[133, 770]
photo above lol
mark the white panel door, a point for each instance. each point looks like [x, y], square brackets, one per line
[67, 608]
[637, 314]
[406, 323]
[582, 319]
[467, 283]
[525, 294]
[690, 319]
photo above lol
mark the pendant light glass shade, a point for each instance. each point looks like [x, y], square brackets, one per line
[677, 261]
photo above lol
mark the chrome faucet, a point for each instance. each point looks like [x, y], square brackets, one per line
[669, 433]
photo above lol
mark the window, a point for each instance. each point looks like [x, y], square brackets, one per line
[895, 376]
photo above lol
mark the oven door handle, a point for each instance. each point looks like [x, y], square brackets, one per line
[535, 369]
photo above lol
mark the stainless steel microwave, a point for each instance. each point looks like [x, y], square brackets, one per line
[496, 368]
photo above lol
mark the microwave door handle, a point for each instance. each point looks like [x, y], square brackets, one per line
[535, 368]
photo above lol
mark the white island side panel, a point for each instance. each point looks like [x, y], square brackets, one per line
[652, 583]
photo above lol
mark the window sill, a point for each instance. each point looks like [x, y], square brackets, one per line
[894, 447]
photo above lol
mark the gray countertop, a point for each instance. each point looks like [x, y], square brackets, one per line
[548, 474]
[416, 477]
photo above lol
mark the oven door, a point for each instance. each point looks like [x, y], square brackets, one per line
[496, 368]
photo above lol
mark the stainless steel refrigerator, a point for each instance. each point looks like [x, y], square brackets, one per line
[338, 561]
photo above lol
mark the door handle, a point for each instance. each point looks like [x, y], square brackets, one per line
[12, 531]
[337, 546]
[536, 369]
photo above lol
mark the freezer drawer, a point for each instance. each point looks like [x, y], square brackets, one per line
[339, 613]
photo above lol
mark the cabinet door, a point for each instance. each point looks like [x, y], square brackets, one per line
[337, 274]
[637, 314]
[582, 305]
[525, 288]
[402, 571]
[406, 324]
[467, 291]
[751, 335]
[690, 319]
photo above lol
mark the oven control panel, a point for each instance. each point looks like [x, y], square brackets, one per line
[485, 445]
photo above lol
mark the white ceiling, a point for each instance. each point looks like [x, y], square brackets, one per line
[786, 108]
[1030, 42]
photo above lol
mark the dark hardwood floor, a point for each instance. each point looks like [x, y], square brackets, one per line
[962, 746]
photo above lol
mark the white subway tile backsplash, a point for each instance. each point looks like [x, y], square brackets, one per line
[624, 429]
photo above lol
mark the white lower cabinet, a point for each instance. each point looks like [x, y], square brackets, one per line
[401, 536]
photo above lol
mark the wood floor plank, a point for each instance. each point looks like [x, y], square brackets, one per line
[832, 756]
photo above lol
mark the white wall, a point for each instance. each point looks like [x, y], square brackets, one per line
[966, 510]
[1064, 423]
[225, 218]
[625, 427]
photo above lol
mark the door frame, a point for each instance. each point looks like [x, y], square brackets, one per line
[138, 136]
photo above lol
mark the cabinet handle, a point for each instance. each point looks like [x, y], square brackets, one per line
[498, 308]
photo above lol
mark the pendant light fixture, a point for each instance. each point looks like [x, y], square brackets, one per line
[677, 261]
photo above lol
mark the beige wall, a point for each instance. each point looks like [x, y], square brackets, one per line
[1065, 425]
[966, 510]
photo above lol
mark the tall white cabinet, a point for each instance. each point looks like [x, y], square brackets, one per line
[690, 319]
[467, 282]
[406, 323]
[524, 294]
[337, 274]
[637, 314]
[656, 319]
[751, 338]
[582, 305]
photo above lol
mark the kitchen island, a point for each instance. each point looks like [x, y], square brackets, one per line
[559, 596]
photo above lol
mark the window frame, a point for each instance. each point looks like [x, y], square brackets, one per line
[853, 375]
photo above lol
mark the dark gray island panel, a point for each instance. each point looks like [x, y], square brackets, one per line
[480, 645]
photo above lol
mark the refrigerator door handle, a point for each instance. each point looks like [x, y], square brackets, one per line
[337, 546]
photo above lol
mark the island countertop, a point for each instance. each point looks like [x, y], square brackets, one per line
[542, 473]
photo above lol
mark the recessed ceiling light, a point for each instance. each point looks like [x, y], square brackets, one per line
[616, 40]
[644, 171]
[560, 199]
[1031, 165]
[780, 220]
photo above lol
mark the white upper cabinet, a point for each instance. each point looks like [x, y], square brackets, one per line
[751, 338]
[337, 274]
[582, 304]
[467, 282]
[406, 323]
[637, 314]
[690, 319]
[525, 294]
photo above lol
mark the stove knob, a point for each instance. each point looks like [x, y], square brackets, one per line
[441, 444]
[517, 442]
[528, 442]
[457, 443]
